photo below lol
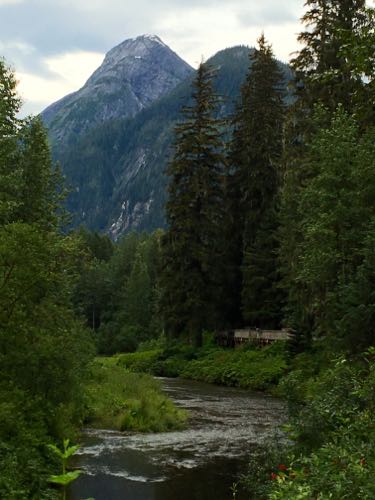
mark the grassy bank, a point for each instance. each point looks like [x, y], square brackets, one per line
[122, 400]
[247, 367]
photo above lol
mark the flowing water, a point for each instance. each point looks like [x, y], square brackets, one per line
[199, 463]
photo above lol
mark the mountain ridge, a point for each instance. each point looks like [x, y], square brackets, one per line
[116, 169]
[132, 75]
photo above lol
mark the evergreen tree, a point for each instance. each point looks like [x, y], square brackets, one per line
[40, 189]
[335, 214]
[44, 351]
[253, 184]
[323, 73]
[328, 70]
[191, 246]
[10, 171]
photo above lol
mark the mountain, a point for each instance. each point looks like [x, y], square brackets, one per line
[116, 169]
[132, 76]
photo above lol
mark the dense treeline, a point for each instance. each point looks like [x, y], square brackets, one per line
[118, 290]
[44, 349]
[292, 197]
[294, 245]
[271, 222]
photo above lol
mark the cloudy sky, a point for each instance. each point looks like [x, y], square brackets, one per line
[55, 45]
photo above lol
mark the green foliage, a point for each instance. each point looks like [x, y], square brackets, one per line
[10, 171]
[44, 349]
[66, 477]
[320, 177]
[323, 72]
[252, 185]
[333, 456]
[118, 289]
[265, 462]
[253, 369]
[123, 400]
[333, 216]
[258, 369]
[142, 361]
[191, 246]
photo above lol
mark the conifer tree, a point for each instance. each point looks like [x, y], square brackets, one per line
[44, 352]
[40, 189]
[191, 248]
[326, 73]
[323, 73]
[10, 105]
[254, 179]
[29, 189]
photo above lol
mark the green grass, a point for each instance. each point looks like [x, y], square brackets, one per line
[248, 367]
[126, 401]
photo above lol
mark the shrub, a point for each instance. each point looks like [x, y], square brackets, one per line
[333, 428]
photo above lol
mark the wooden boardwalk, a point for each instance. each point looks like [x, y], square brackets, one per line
[235, 338]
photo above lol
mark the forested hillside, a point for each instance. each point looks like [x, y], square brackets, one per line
[117, 170]
[270, 224]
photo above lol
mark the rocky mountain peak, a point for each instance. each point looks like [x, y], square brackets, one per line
[134, 56]
[136, 46]
[133, 75]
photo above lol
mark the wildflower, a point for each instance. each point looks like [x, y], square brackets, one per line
[274, 476]
[283, 467]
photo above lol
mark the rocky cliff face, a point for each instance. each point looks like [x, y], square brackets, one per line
[132, 76]
[115, 164]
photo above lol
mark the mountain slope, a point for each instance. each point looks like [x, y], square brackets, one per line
[132, 76]
[117, 170]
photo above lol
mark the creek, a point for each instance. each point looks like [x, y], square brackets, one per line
[198, 463]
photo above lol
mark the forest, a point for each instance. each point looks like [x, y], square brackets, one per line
[270, 223]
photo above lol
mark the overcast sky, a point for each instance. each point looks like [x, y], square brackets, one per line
[55, 45]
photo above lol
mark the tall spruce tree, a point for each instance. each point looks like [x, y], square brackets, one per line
[191, 246]
[253, 181]
[323, 72]
[41, 183]
[329, 71]
[10, 172]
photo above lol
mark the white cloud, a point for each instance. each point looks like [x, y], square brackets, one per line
[60, 42]
[71, 72]
[10, 2]
[36, 88]
[17, 46]
[76, 67]
[224, 29]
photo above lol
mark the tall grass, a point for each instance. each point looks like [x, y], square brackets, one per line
[122, 400]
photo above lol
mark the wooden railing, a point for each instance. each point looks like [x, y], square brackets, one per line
[238, 337]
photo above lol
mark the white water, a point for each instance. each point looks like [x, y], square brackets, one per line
[199, 462]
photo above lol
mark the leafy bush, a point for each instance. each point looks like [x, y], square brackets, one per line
[257, 369]
[265, 462]
[333, 429]
[246, 367]
[140, 361]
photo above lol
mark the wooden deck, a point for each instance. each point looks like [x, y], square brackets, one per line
[259, 336]
[233, 338]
